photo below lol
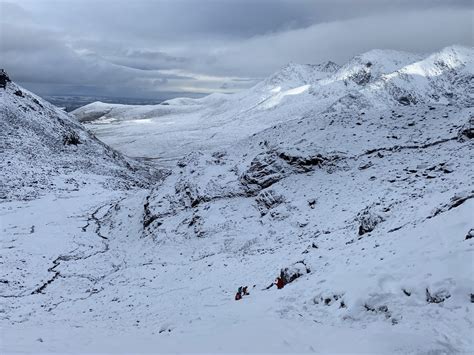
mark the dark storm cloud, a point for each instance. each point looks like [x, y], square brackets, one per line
[141, 47]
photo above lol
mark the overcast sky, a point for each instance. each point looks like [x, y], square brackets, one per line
[140, 48]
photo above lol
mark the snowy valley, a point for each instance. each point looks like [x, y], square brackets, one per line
[130, 228]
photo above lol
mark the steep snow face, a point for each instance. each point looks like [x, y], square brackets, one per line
[370, 66]
[379, 78]
[450, 58]
[444, 77]
[44, 148]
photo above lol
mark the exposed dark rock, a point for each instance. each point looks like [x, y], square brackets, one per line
[404, 100]
[381, 310]
[265, 170]
[367, 165]
[361, 77]
[291, 273]
[467, 131]
[197, 223]
[190, 193]
[368, 220]
[304, 163]
[329, 300]
[18, 93]
[470, 234]
[438, 296]
[71, 138]
[267, 200]
[4, 79]
[218, 157]
[148, 217]
[271, 166]
[455, 201]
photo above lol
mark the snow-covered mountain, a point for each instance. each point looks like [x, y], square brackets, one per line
[379, 78]
[352, 184]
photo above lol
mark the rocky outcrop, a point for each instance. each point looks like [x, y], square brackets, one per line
[292, 272]
[264, 170]
[368, 220]
[271, 166]
[437, 296]
[4, 79]
[467, 131]
[267, 200]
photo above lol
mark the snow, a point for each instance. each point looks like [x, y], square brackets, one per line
[181, 126]
[366, 199]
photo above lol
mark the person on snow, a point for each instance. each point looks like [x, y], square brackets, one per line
[280, 283]
[241, 292]
[238, 296]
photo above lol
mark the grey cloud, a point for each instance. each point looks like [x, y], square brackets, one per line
[145, 59]
[143, 47]
[340, 40]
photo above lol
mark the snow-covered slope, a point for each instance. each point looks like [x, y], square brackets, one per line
[360, 200]
[43, 149]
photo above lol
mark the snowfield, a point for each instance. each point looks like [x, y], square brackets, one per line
[352, 183]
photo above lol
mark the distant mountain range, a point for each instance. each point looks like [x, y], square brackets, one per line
[71, 102]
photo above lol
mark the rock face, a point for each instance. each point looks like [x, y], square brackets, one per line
[271, 166]
[264, 170]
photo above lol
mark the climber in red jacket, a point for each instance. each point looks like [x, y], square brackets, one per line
[280, 283]
[238, 295]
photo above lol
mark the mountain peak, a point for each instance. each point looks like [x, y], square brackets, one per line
[369, 66]
[294, 74]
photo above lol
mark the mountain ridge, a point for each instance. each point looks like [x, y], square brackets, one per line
[41, 144]
[296, 91]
